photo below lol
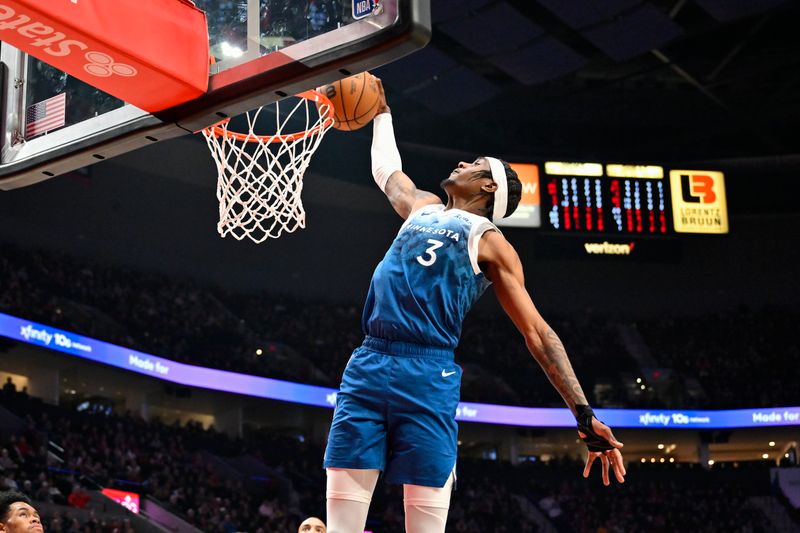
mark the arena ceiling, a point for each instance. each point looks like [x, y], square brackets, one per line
[674, 80]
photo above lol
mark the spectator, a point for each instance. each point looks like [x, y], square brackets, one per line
[312, 524]
[9, 388]
[78, 498]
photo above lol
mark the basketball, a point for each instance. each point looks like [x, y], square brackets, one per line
[355, 101]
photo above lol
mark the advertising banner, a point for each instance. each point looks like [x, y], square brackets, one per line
[274, 389]
[698, 201]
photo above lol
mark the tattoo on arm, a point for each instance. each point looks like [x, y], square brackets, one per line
[553, 359]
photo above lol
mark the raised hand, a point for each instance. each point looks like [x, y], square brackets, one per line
[383, 107]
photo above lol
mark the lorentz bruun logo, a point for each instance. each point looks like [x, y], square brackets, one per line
[698, 201]
[697, 188]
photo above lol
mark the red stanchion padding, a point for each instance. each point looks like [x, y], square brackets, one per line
[150, 53]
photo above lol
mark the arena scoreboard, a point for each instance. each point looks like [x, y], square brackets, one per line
[615, 199]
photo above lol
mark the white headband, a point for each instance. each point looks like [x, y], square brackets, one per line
[501, 194]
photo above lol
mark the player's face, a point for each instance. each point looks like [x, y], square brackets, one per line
[312, 525]
[468, 176]
[22, 518]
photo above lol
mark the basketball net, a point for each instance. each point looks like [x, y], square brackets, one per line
[260, 178]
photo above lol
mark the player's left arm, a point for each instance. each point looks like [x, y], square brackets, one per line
[504, 269]
[387, 167]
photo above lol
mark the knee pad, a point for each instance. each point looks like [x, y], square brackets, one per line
[351, 484]
[419, 496]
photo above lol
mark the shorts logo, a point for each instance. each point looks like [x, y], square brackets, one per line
[447, 374]
[103, 65]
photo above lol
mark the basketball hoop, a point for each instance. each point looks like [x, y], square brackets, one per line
[260, 177]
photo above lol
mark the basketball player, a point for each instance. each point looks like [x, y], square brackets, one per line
[17, 514]
[395, 412]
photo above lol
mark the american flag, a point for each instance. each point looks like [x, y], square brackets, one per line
[46, 115]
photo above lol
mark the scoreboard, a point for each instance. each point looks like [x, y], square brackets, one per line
[620, 199]
[625, 200]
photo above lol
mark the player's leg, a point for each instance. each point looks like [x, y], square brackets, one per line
[426, 507]
[349, 494]
[356, 450]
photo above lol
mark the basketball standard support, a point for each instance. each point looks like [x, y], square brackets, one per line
[150, 53]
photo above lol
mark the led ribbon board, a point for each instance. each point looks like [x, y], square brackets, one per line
[273, 389]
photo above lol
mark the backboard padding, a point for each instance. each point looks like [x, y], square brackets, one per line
[271, 66]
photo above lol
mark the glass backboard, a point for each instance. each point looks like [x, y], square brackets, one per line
[262, 51]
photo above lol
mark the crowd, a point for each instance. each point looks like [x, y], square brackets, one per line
[266, 335]
[310, 342]
[657, 500]
[178, 467]
[174, 465]
[744, 358]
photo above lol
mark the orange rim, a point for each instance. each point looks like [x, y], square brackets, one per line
[312, 96]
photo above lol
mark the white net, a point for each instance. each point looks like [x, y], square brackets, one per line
[260, 178]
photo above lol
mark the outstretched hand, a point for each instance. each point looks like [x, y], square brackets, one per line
[603, 445]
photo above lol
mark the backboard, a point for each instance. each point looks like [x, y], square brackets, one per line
[262, 51]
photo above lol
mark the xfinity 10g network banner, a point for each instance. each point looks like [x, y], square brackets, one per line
[273, 389]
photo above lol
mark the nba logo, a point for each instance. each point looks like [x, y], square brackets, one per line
[363, 8]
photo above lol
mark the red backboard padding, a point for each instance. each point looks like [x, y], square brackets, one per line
[150, 53]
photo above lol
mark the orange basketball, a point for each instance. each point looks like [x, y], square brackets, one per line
[355, 101]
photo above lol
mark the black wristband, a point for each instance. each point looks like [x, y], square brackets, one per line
[593, 441]
[583, 415]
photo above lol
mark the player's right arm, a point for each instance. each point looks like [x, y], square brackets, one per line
[387, 165]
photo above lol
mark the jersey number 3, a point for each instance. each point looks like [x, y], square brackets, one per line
[429, 257]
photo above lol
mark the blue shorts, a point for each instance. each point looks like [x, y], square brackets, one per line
[395, 411]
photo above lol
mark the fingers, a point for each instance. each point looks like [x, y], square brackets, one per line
[589, 461]
[383, 107]
[611, 459]
[619, 465]
[604, 462]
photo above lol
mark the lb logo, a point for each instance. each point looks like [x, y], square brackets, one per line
[103, 66]
[698, 188]
[698, 201]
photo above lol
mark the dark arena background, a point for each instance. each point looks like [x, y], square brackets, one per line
[159, 378]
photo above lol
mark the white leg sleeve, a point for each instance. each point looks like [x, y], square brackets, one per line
[349, 494]
[426, 507]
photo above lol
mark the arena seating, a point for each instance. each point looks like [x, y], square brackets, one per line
[310, 342]
[191, 471]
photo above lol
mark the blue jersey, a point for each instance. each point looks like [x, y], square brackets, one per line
[429, 278]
